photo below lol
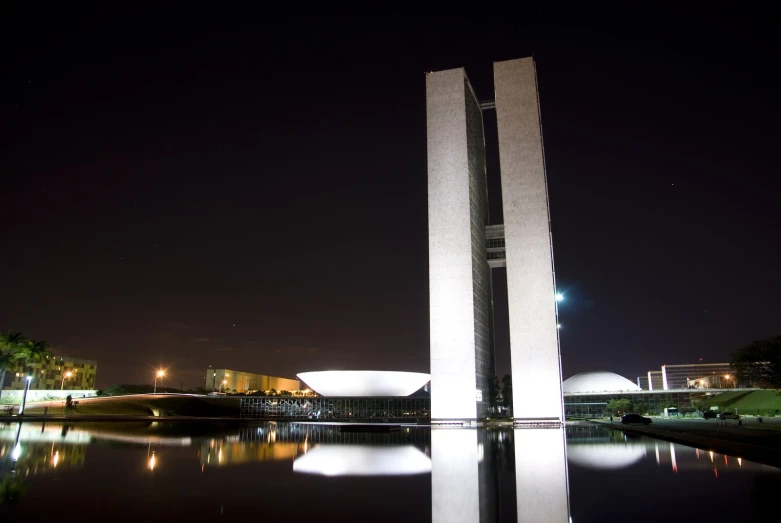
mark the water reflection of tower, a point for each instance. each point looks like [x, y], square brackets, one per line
[541, 484]
[463, 475]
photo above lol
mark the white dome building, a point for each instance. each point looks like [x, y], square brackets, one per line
[598, 382]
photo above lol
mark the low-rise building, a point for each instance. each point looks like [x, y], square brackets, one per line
[239, 381]
[55, 373]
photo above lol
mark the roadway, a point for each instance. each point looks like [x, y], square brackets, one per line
[752, 440]
[60, 404]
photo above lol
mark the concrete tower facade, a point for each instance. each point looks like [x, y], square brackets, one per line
[463, 248]
[459, 275]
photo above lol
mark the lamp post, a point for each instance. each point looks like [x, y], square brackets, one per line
[27, 381]
[728, 377]
[159, 374]
[66, 375]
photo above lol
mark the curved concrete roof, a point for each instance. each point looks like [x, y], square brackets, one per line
[357, 383]
[600, 381]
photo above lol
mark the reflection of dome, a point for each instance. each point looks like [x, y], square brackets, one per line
[363, 460]
[600, 381]
[604, 456]
[356, 383]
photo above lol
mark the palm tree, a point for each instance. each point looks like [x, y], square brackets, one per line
[34, 352]
[10, 346]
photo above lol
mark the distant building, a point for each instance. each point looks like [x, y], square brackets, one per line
[238, 381]
[691, 376]
[718, 375]
[79, 374]
[587, 395]
[655, 380]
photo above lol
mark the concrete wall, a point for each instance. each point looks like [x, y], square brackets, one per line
[534, 347]
[452, 329]
[15, 396]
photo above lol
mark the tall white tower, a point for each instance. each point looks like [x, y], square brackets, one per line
[463, 248]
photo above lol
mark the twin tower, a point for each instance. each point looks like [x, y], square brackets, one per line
[464, 248]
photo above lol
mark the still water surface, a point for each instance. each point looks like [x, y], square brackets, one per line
[169, 472]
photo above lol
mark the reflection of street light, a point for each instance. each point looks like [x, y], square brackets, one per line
[152, 462]
[27, 381]
[66, 375]
[159, 374]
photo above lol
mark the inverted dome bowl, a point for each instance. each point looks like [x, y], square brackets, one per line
[358, 383]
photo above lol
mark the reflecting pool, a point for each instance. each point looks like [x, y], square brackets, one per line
[165, 471]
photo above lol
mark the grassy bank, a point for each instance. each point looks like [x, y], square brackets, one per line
[758, 402]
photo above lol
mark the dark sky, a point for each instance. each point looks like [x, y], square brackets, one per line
[189, 188]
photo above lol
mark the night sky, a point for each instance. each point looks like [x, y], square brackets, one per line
[191, 188]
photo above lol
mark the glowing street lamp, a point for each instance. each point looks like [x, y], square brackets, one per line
[66, 375]
[728, 377]
[160, 374]
[559, 296]
[222, 385]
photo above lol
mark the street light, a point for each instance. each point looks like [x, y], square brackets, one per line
[559, 296]
[66, 375]
[159, 374]
[27, 381]
[727, 376]
[222, 385]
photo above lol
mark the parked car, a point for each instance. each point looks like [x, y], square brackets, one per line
[709, 414]
[627, 419]
[728, 415]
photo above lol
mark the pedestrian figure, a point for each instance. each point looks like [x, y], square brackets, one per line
[759, 419]
[611, 418]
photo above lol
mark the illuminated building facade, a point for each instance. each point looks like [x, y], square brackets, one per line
[655, 381]
[691, 376]
[717, 375]
[238, 381]
[463, 248]
[594, 405]
[79, 374]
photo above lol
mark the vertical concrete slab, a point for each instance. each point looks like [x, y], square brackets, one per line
[452, 331]
[534, 346]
